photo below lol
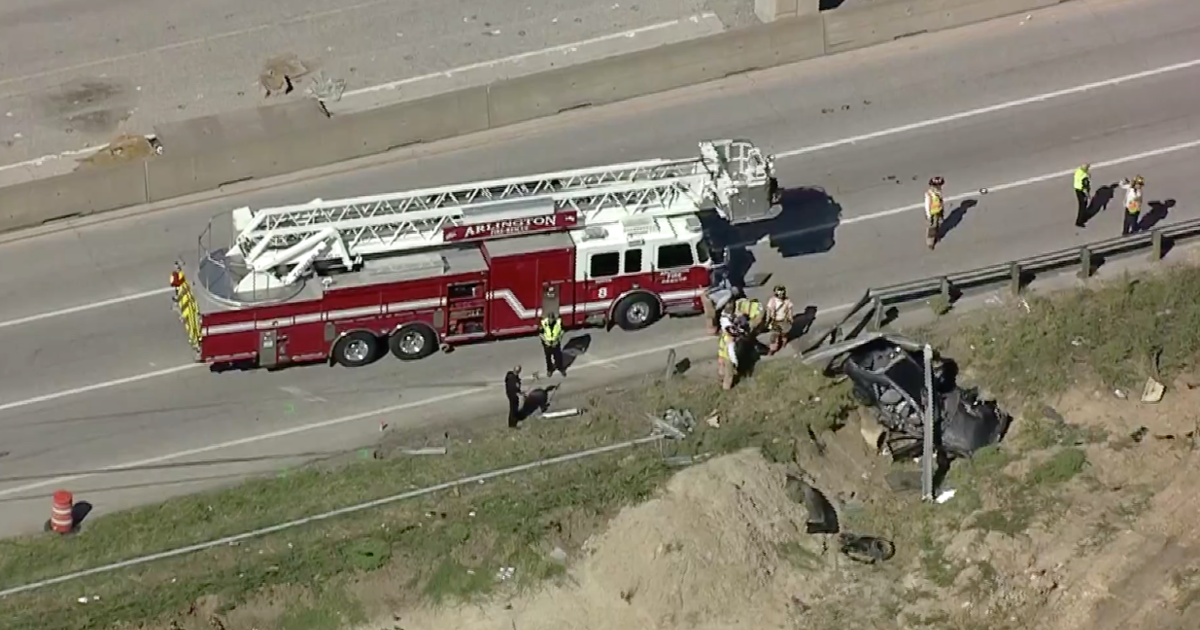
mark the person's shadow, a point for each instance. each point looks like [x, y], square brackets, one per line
[956, 217]
[1099, 202]
[1158, 212]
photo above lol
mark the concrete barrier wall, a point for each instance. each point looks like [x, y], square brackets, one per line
[868, 25]
[82, 192]
[205, 154]
[668, 67]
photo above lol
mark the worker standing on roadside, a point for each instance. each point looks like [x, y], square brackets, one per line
[753, 311]
[512, 390]
[780, 314]
[1083, 194]
[726, 320]
[1133, 204]
[934, 204]
[727, 355]
[551, 335]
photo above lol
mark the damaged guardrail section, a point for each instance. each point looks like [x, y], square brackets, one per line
[874, 305]
[207, 153]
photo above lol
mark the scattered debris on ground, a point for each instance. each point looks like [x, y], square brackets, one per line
[768, 506]
[123, 148]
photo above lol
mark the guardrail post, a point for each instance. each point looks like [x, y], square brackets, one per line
[876, 314]
[1014, 270]
[1156, 245]
[1085, 262]
[946, 289]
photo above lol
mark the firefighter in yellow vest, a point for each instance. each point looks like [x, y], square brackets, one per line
[753, 311]
[727, 354]
[551, 335]
[1083, 194]
[1133, 204]
[934, 206]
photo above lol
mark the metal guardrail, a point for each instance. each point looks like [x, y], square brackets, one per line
[1016, 273]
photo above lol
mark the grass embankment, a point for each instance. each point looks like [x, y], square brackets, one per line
[451, 545]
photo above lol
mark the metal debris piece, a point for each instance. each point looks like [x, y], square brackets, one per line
[430, 450]
[1153, 391]
[866, 549]
[674, 423]
[325, 89]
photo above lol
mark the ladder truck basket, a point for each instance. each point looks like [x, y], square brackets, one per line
[268, 254]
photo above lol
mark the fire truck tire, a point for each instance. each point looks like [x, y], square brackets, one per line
[356, 349]
[636, 311]
[413, 342]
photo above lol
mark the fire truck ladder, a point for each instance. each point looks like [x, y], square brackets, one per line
[727, 177]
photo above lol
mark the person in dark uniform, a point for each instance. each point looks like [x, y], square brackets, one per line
[512, 389]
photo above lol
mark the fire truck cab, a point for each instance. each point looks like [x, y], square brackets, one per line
[349, 280]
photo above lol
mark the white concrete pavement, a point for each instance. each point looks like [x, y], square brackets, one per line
[918, 101]
[75, 73]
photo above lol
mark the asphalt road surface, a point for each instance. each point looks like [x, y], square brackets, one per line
[1012, 106]
[73, 73]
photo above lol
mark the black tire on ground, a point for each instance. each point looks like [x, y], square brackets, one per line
[412, 342]
[356, 349]
[636, 312]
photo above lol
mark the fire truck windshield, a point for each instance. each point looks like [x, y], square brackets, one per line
[702, 251]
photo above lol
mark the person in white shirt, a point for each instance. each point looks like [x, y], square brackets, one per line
[1133, 204]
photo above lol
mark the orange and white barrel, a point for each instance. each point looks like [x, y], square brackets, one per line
[62, 520]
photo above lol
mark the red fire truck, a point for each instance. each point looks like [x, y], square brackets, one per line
[412, 272]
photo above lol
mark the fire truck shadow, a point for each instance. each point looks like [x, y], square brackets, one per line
[806, 224]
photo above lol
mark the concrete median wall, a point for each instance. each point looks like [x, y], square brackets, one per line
[205, 154]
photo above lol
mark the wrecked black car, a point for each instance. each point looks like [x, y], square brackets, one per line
[888, 375]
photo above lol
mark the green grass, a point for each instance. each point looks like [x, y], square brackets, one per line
[445, 548]
[1119, 333]
[449, 547]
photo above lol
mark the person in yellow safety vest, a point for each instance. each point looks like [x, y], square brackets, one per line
[727, 359]
[1133, 204]
[780, 314]
[934, 205]
[753, 310]
[1083, 194]
[551, 335]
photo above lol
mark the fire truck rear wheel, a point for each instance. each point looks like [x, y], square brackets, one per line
[412, 342]
[636, 312]
[356, 349]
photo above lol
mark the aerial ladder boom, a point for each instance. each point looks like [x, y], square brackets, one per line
[277, 246]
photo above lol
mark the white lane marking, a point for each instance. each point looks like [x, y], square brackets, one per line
[593, 362]
[990, 109]
[95, 386]
[323, 424]
[784, 154]
[85, 307]
[1037, 179]
[564, 48]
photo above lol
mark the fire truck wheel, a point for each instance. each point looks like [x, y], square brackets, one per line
[636, 311]
[412, 342]
[356, 349]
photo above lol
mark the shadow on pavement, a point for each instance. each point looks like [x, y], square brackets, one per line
[806, 225]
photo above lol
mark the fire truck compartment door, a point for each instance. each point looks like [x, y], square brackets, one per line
[550, 298]
[268, 350]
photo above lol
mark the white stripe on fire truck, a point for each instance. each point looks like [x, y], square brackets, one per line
[348, 313]
[412, 305]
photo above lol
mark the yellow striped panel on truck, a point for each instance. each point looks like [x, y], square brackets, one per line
[189, 312]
